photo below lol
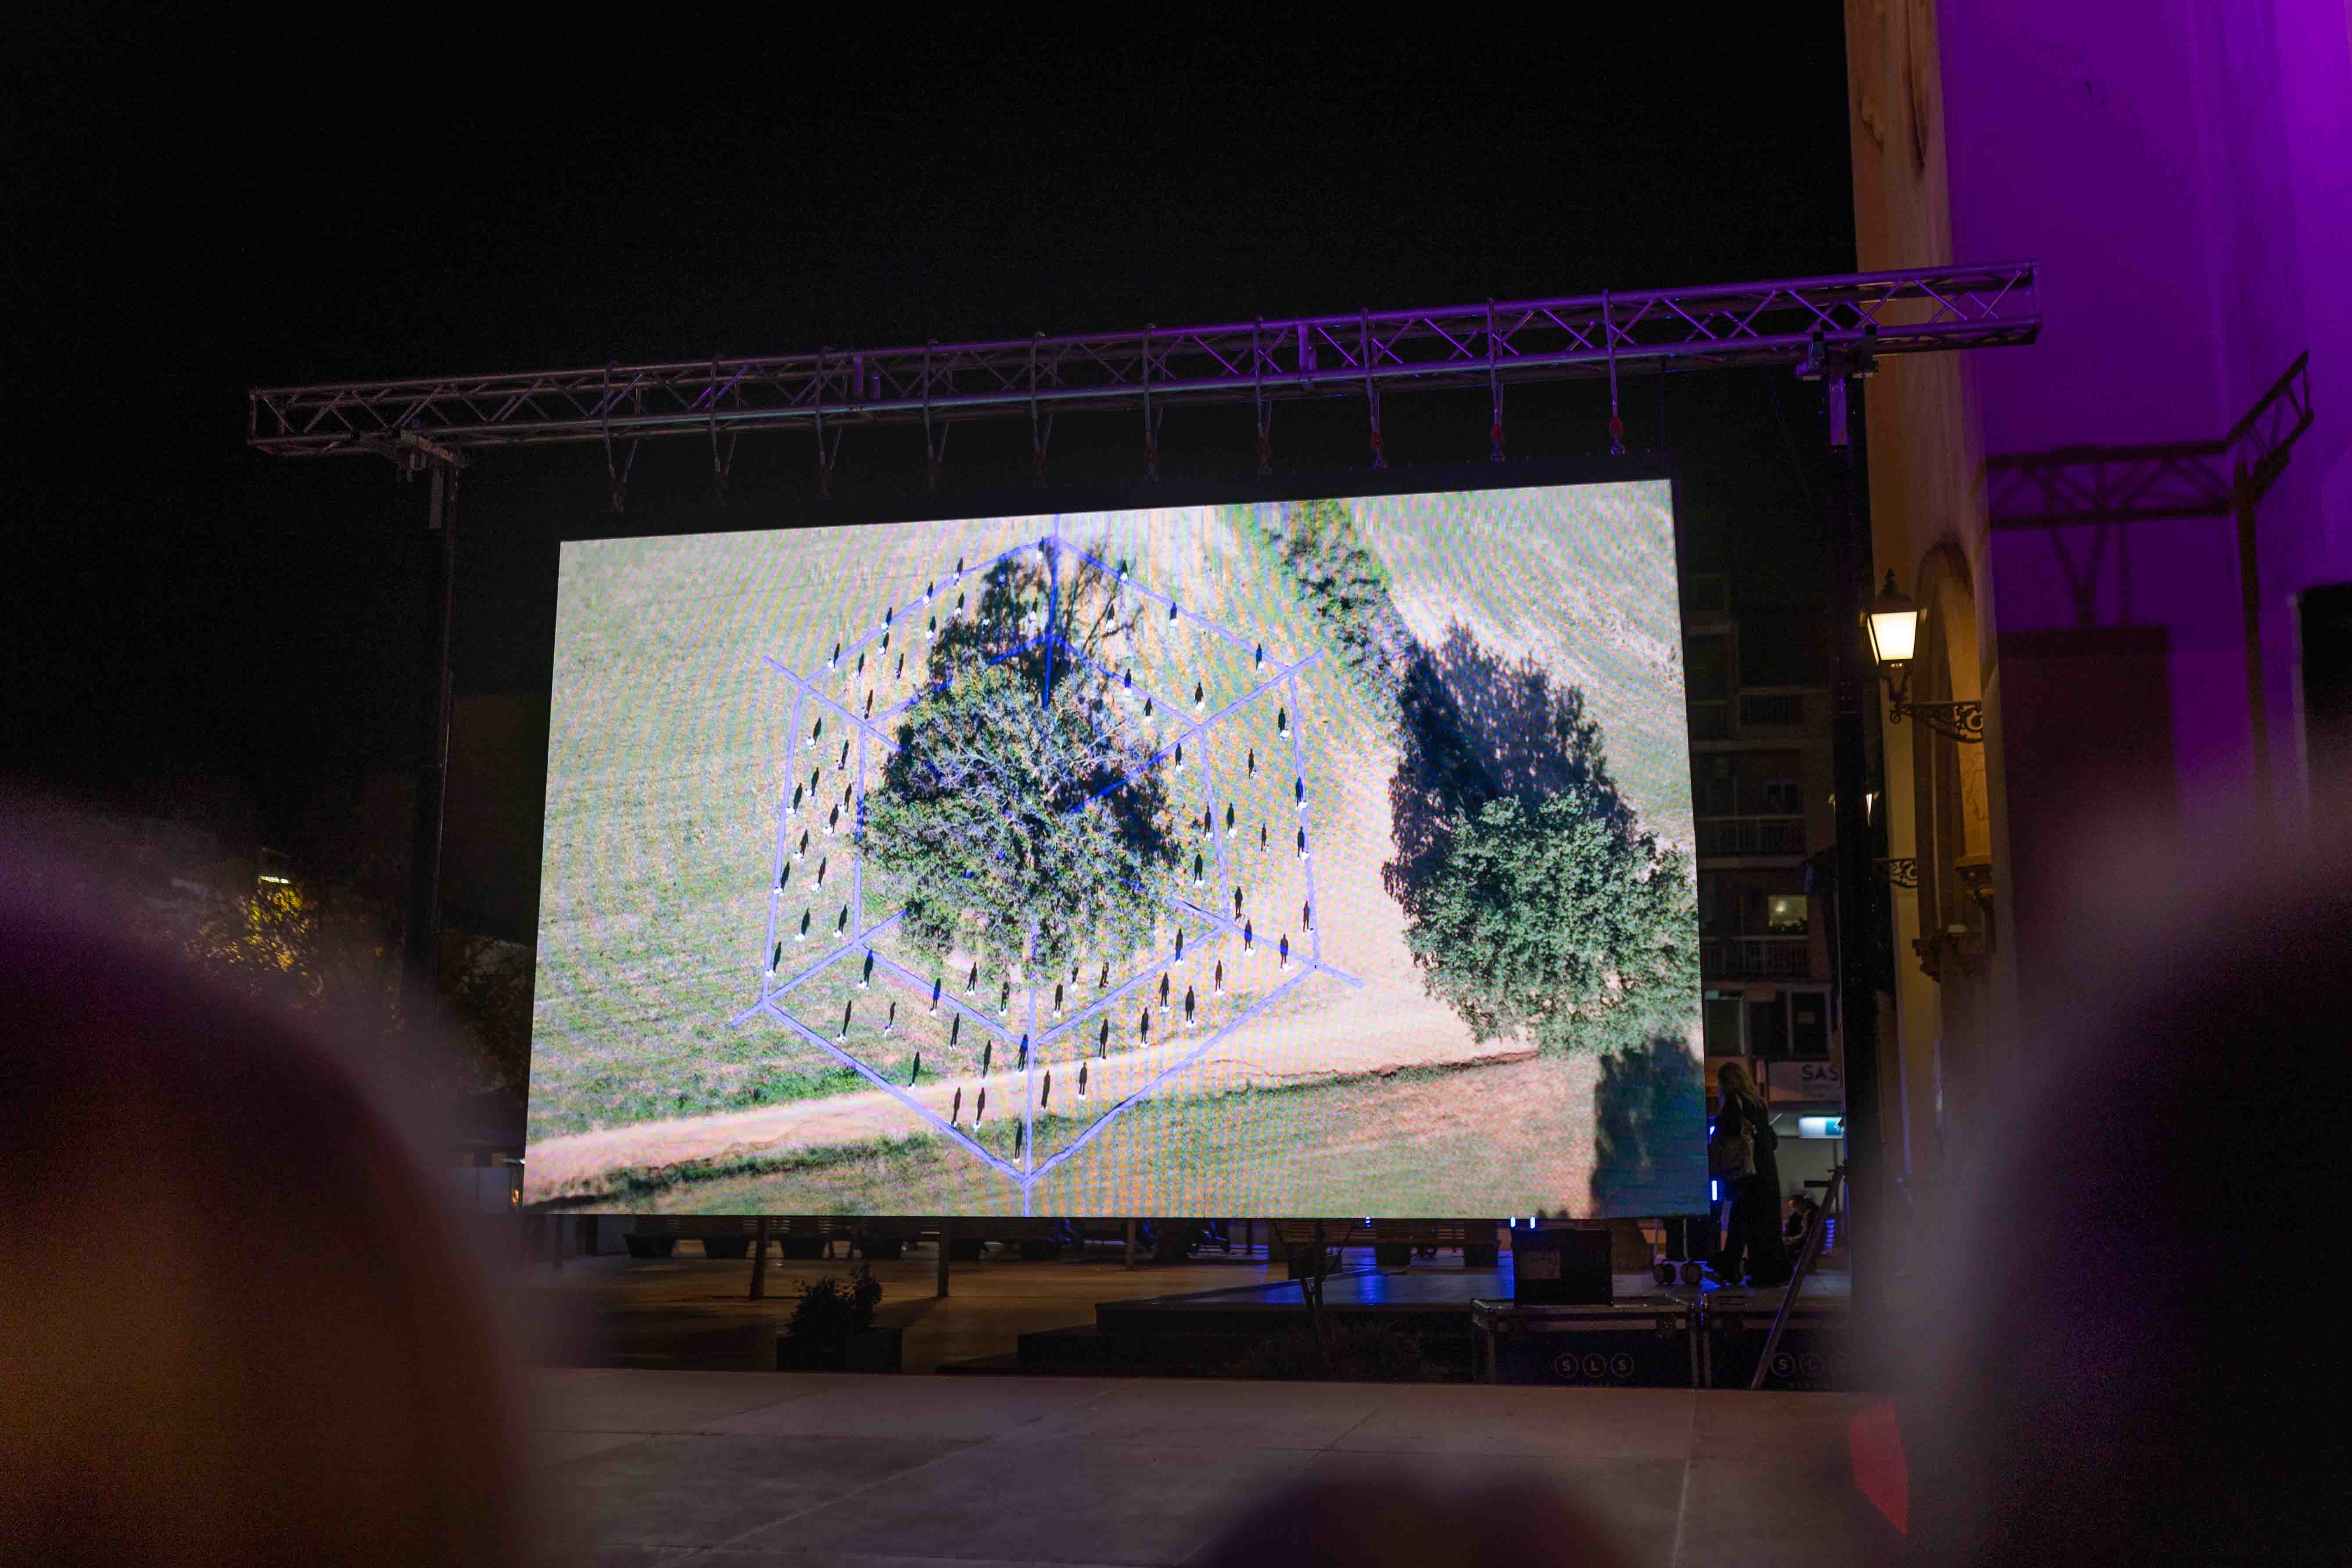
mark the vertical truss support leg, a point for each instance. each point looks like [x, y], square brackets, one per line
[422, 937]
[2250, 608]
[1850, 687]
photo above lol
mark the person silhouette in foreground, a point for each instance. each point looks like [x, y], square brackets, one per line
[241, 1327]
[2110, 1369]
[1391, 1516]
[2102, 1371]
[237, 1323]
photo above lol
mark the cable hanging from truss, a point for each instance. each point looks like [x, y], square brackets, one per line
[934, 451]
[1494, 390]
[1257, 392]
[722, 463]
[1038, 435]
[1151, 424]
[1609, 338]
[616, 477]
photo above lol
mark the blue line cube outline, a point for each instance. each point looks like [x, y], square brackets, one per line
[822, 724]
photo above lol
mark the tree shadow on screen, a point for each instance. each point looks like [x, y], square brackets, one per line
[1476, 727]
[1648, 1149]
[1008, 608]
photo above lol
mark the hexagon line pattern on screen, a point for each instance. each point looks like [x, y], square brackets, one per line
[854, 936]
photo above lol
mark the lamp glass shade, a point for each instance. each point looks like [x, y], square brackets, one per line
[1893, 633]
[1894, 622]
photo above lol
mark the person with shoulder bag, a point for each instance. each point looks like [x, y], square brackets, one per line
[1741, 1156]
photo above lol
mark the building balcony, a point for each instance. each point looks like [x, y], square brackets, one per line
[1756, 957]
[1751, 835]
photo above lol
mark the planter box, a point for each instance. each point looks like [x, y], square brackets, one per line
[874, 1350]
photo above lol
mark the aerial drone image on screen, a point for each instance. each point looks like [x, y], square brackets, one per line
[1323, 856]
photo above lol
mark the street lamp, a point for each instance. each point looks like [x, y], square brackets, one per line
[1894, 623]
[1894, 638]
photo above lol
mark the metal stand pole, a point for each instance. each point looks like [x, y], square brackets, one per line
[1805, 1256]
[760, 1259]
[947, 1228]
[1130, 1244]
[421, 975]
[2250, 609]
[1851, 675]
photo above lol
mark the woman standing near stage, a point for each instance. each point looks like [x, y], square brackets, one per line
[1754, 1233]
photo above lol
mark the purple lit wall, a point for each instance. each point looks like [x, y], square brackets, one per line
[2182, 170]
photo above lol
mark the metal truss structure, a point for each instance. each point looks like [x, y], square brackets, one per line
[1831, 329]
[1796, 321]
[2068, 486]
[2099, 487]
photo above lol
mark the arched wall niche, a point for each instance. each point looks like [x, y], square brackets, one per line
[1951, 804]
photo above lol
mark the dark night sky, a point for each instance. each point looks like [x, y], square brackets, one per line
[196, 212]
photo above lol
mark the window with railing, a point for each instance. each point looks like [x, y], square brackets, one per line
[1748, 784]
[1784, 1023]
[1771, 707]
[1707, 679]
[1751, 836]
[1756, 957]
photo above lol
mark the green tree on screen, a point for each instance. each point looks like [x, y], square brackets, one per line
[1345, 589]
[1554, 921]
[1003, 812]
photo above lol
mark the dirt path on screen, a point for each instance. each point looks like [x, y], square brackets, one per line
[1514, 1138]
[1280, 1055]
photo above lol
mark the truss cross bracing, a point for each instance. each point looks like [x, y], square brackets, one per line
[1490, 346]
[2073, 485]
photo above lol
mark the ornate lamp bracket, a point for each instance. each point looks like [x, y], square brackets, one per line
[1961, 722]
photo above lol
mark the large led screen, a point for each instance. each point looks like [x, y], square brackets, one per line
[1320, 857]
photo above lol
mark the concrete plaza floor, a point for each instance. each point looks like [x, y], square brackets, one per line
[766, 1469]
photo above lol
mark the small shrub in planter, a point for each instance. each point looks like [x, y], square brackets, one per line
[832, 1328]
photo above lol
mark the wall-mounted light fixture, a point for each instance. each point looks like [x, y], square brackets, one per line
[1894, 623]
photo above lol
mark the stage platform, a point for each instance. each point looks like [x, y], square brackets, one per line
[1448, 1310]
